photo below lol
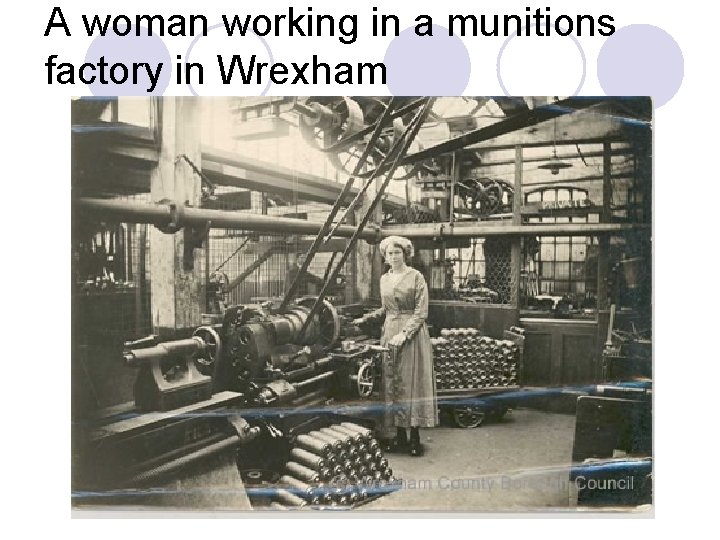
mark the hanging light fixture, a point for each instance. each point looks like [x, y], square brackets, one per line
[555, 164]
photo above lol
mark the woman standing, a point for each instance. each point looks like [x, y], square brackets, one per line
[408, 379]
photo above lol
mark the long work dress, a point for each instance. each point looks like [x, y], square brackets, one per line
[408, 379]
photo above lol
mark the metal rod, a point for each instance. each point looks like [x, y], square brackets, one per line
[165, 214]
[403, 143]
[245, 241]
[471, 229]
[235, 283]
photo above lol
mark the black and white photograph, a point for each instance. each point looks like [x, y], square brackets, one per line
[362, 304]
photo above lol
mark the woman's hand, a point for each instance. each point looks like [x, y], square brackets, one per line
[397, 340]
[358, 321]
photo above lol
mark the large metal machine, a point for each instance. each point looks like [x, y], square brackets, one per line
[258, 352]
[246, 386]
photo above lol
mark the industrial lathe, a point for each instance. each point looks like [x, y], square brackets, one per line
[257, 408]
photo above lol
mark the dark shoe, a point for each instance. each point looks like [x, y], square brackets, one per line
[387, 445]
[398, 444]
[416, 449]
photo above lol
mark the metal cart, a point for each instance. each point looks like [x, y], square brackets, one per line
[470, 407]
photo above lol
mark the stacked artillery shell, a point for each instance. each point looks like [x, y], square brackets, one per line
[464, 359]
[336, 466]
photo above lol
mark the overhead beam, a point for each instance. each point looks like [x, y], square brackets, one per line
[227, 168]
[596, 124]
[226, 174]
[504, 127]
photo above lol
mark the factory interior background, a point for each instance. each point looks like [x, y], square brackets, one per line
[223, 247]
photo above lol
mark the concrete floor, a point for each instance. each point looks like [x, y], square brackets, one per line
[519, 464]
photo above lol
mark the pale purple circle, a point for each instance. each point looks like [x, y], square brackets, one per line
[197, 38]
[523, 30]
[128, 50]
[437, 65]
[641, 60]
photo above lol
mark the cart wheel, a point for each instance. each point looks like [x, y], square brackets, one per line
[468, 416]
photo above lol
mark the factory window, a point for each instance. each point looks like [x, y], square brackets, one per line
[560, 272]
[469, 265]
[479, 272]
[137, 111]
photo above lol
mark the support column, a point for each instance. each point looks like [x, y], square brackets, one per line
[351, 295]
[603, 309]
[605, 217]
[368, 260]
[515, 250]
[377, 260]
[177, 294]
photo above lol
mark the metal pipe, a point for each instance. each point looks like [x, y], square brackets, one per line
[459, 230]
[162, 215]
[171, 215]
